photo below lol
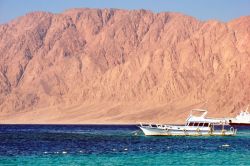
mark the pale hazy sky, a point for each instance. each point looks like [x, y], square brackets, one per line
[223, 10]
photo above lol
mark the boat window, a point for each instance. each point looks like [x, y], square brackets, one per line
[196, 124]
[205, 124]
[201, 124]
[191, 124]
[153, 125]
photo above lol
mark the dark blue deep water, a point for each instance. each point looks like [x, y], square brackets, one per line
[116, 145]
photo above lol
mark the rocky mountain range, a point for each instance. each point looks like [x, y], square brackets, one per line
[121, 66]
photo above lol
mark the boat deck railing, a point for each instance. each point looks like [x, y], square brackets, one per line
[153, 125]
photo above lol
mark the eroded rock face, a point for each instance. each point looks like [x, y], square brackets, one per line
[92, 56]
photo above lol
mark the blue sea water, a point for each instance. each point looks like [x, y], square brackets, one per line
[116, 145]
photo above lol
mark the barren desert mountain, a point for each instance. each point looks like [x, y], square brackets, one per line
[121, 66]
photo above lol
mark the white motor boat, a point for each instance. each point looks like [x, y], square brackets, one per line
[243, 119]
[196, 125]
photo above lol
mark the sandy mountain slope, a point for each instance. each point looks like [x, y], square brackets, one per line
[121, 66]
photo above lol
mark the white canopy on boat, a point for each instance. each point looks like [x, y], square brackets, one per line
[201, 118]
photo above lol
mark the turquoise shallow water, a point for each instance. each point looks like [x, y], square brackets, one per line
[116, 145]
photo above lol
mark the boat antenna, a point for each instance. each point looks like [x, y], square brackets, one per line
[247, 108]
[205, 104]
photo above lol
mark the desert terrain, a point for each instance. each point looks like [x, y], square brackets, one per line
[111, 66]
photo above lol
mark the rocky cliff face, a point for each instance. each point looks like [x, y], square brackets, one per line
[136, 58]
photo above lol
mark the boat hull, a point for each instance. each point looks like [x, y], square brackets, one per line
[149, 131]
[239, 124]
